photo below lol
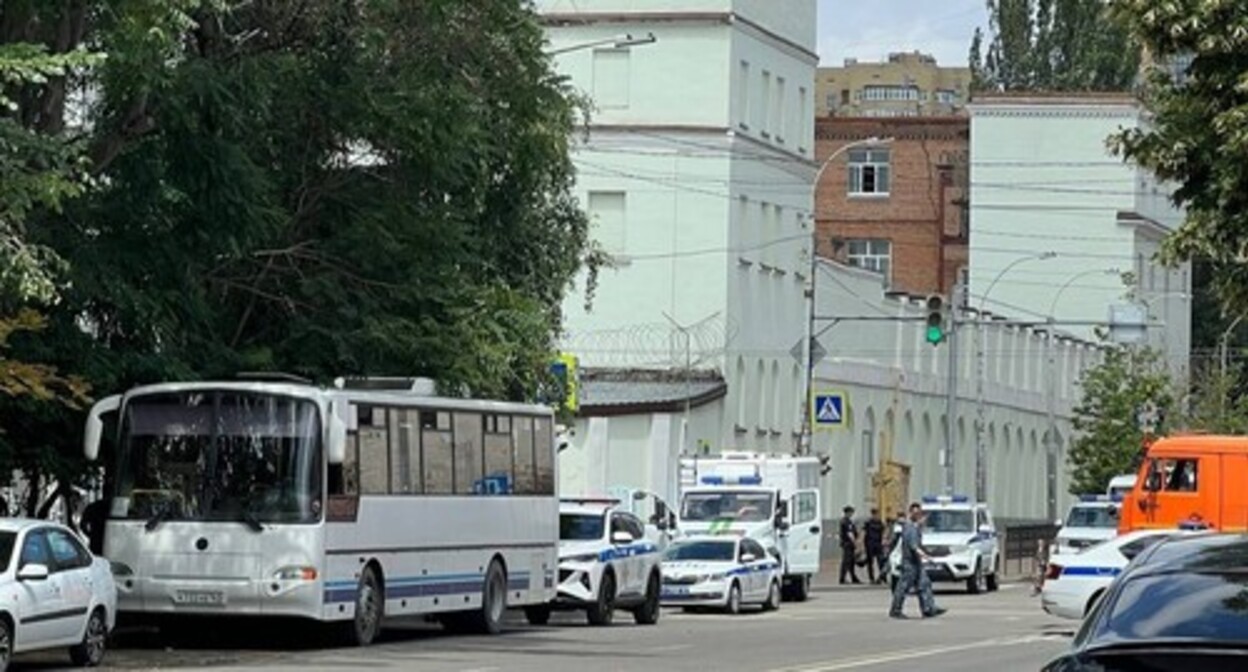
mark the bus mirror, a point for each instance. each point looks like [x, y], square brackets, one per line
[95, 425]
[337, 445]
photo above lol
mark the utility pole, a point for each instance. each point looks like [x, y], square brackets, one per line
[951, 388]
[806, 442]
[1050, 436]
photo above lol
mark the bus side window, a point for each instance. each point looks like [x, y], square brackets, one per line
[544, 440]
[524, 471]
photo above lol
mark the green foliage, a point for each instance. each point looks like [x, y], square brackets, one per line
[1218, 403]
[1053, 45]
[1199, 131]
[1108, 434]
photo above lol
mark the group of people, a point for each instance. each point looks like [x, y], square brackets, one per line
[874, 538]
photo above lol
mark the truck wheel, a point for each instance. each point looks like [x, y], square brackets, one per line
[799, 589]
[602, 611]
[648, 612]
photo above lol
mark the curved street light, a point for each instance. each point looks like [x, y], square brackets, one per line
[617, 42]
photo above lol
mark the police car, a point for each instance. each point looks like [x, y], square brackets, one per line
[1073, 582]
[605, 563]
[961, 542]
[1092, 520]
[723, 572]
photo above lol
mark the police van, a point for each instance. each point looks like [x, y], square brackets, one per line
[1092, 520]
[606, 563]
[960, 540]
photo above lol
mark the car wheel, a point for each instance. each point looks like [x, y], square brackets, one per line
[773, 597]
[602, 611]
[733, 606]
[975, 584]
[6, 644]
[537, 615]
[991, 582]
[370, 607]
[648, 612]
[90, 652]
[488, 620]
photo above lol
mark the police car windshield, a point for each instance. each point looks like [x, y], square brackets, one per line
[714, 551]
[581, 526]
[1093, 516]
[944, 520]
[744, 507]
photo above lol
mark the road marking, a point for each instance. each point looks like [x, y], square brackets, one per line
[911, 654]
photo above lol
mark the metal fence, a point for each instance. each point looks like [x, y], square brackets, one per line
[1026, 546]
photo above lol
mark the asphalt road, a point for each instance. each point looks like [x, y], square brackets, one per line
[838, 629]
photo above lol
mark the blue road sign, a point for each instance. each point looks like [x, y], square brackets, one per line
[829, 410]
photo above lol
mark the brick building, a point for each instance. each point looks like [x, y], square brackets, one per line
[898, 208]
[905, 85]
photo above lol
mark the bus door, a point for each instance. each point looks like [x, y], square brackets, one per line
[1234, 493]
[1172, 492]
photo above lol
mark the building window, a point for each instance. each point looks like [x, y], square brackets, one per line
[611, 78]
[805, 118]
[607, 220]
[868, 172]
[947, 97]
[764, 105]
[891, 93]
[873, 255]
[743, 95]
[781, 119]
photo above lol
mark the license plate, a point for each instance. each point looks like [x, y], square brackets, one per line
[199, 598]
[677, 591]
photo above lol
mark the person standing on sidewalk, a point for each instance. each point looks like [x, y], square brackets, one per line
[873, 543]
[913, 577]
[849, 545]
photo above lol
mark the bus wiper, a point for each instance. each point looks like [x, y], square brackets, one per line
[252, 522]
[159, 517]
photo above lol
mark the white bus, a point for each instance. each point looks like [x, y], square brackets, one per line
[343, 505]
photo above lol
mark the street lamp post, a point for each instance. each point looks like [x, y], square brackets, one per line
[807, 441]
[981, 335]
[1050, 437]
[617, 42]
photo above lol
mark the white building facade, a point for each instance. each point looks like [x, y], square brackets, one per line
[697, 174]
[1045, 183]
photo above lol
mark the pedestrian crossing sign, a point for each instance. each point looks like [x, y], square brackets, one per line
[828, 410]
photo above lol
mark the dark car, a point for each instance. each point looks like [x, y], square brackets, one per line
[1181, 605]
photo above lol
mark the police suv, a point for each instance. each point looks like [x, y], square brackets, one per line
[605, 563]
[1092, 520]
[960, 541]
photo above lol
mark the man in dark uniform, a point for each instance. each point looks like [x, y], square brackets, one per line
[849, 545]
[873, 543]
[912, 575]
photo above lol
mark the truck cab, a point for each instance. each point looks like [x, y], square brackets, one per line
[1190, 481]
[761, 498]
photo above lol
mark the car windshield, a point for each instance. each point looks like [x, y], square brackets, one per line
[220, 456]
[1211, 607]
[1093, 516]
[7, 540]
[581, 526]
[702, 550]
[745, 507]
[945, 520]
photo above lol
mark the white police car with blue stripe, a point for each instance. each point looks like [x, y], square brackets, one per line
[1074, 581]
[961, 541]
[605, 563]
[723, 572]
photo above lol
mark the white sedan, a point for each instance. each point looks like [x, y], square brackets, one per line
[53, 593]
[721, 572]
[1073, 582]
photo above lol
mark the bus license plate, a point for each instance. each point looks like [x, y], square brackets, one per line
[199, 598]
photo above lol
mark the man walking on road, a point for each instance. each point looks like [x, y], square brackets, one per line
[873, 543]
[849, 545]
[912, 575]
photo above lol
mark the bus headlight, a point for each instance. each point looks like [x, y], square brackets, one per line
[296, 574]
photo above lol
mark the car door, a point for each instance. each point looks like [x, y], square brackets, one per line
[758, 576]
[73, 572]
[804, 535]
[39, 624]
[642, 556]
[625, 562]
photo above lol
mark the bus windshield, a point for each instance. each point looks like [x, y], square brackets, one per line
[744, 507]
[213, 455]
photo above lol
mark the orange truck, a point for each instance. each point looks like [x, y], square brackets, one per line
[1190, 481]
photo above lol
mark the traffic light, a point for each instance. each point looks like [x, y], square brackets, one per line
[935, 320]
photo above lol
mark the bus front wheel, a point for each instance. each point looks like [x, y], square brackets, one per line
[369, 610]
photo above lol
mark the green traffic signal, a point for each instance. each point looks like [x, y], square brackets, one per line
[935, 320]
[935, 334]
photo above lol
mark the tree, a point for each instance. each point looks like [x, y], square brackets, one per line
[1199, 131]
[1218, 404]
[1109, 438]
[1053, 45]
[321, 187]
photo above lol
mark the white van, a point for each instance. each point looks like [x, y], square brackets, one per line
[1120, 486]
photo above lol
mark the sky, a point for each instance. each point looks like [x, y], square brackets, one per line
[869, 29]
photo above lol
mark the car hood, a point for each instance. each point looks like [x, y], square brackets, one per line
[687, 567]
[1087, 533]
[948, 538]
[571, 549]
[758, 530]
